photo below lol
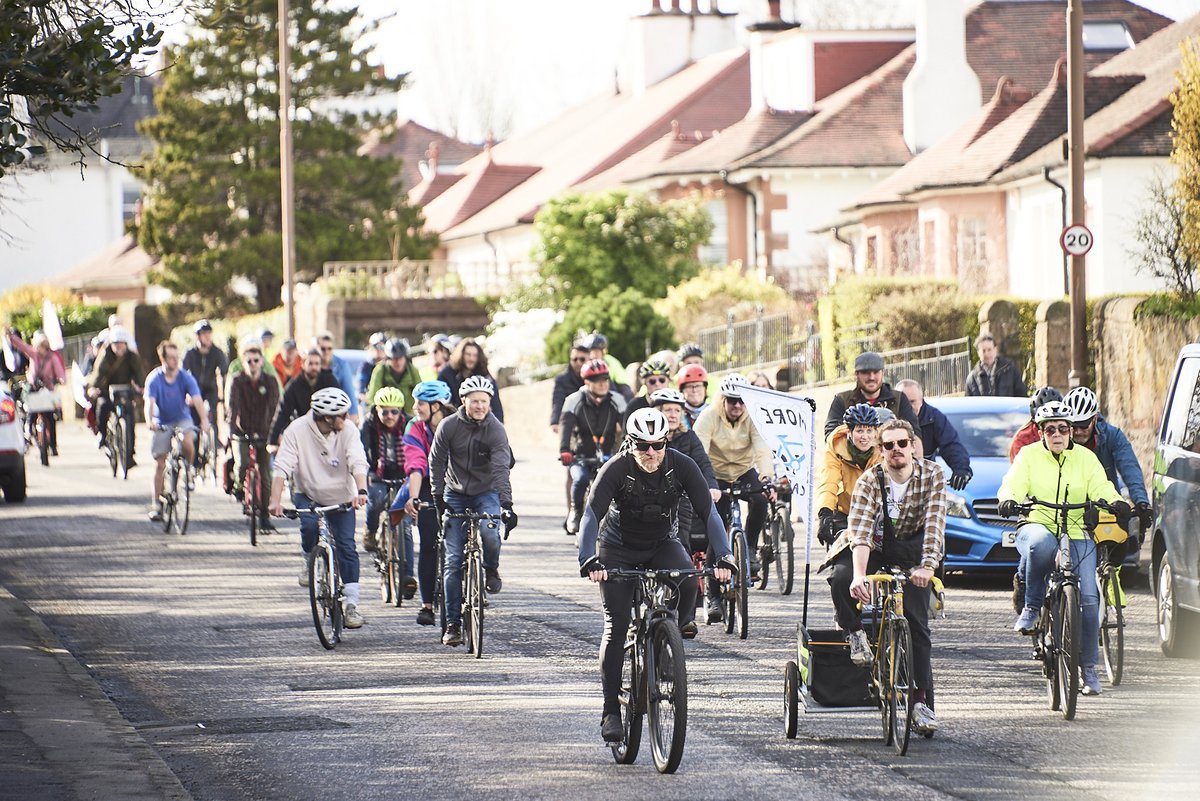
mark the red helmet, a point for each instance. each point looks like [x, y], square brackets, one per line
[595, 369]
[691, 374]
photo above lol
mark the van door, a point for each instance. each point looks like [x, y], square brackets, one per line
[1177, 481]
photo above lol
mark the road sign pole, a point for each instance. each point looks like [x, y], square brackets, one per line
[1075, 160]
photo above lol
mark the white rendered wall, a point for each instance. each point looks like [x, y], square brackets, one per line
[814, 198]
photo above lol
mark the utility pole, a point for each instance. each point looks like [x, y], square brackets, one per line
[287, 217]
[1075, 161]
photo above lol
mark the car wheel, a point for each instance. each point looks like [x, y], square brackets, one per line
[14, 488]
[1174, 624]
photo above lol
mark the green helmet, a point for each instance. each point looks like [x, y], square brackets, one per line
[389, 398]
[654, 367]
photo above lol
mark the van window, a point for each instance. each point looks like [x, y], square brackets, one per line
[1182, 426]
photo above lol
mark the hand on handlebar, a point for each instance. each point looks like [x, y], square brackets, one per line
[860, 589]
[920, 576]
[1009, 508]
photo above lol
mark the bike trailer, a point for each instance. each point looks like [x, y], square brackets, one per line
[828, 679]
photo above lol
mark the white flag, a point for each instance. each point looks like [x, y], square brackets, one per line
[50, 326]
[79, 386]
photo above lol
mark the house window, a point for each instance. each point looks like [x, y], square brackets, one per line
[717, 249]
[972, 252]
[1109, 36]
[929, 248]
[872, 255]
[906, 250]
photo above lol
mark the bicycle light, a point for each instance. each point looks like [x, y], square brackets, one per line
[8, 410]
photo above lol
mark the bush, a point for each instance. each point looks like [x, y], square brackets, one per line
[932, 313]
[627, 317]
[22, 309]
[707, 300]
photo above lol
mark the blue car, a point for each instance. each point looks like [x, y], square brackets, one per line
[977, 538]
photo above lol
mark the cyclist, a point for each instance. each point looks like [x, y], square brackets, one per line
[45, 369]
[869, 387]
[597, 345]
[376, 354]
[439, 349]
[322, 455]
[209, 366]
[169, 393]
[397, 370]
[1030, 433]
[1059, 471]
[431, 406]
[383, 442]
[739, 456]
[340, 369]
[591, 428]
[938, 436]
[637, 495]
[287, 362]
[297, 395]
[654, 374]
[118, 364]
[850, 450]
[252, 401]
[994, 375]
[468, 359]
[690, 353]
[908, 495]
[692, 381]
[567, 382]
[469, 465]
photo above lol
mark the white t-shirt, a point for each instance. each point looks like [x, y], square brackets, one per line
[896, 493]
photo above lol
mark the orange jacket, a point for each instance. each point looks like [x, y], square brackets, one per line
[839, 472]
[284, 370]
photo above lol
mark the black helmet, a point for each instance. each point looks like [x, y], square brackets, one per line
[597, 341]
[1041, 397]
[861, 414]
[689, 349]
[396, 349]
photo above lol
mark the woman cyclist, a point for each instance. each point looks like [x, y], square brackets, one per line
[692, 381]
[637, 493]
[852, 451]
[468, 359]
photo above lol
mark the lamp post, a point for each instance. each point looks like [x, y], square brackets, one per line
[287, 216]
[1075, 162]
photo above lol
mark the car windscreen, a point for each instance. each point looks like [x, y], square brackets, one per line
[988, 433]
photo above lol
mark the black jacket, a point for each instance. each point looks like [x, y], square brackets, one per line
[588, 429]
[1006, 381]
[896, 402]
[566, 383]
[297, 398]
[205, 367]
[940, 438]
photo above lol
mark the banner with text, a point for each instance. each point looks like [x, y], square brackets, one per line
[788, 424]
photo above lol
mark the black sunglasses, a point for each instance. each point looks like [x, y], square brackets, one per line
[898, 443]
[656, 379]
[389, 412]
[1063, 429]
[650, 446]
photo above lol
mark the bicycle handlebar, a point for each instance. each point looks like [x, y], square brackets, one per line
[294, 514]
[248, 438]
[665, 575]
[746, 490]
[470, 515]
[1027, 506]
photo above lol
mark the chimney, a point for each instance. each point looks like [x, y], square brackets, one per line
[775, 81]
[942, 91]
[664, 41]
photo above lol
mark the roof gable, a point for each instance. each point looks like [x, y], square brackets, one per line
[476, 190]
[410, 142]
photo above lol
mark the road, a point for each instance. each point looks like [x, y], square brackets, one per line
[206, 646]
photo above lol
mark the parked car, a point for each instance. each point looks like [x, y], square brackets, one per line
[12, 448]
[1175, 539]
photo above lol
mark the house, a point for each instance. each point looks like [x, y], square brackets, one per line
[424, 153]
[55, 213]
[114, 274]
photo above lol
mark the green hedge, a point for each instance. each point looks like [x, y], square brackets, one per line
[73, 319]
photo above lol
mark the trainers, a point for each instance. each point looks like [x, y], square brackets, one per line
[425, 616]
[265, 526]
[714, 612]
[612, 730]
[572, 524]
[1091, 681]
[302, 579]
[410, 587]
[923, 719]
[1026, 621]
[492, 582]
[156, 515]
[453, 635]
[370, 544]
[1018, 595]
[755, 568]
[688, 630]
[860, 649]
[352, 618]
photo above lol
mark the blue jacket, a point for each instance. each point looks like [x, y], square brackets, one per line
[940, 438]
[345, 378]
[1112, 448]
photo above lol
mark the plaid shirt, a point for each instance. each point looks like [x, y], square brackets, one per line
[923, 510]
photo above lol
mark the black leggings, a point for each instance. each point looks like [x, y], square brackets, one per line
[757, 516]
[427, 525]
[618, 605]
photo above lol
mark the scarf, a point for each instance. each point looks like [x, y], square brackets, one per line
[860, 458]
[396, 456]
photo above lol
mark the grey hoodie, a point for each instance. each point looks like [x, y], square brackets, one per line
[471, 457]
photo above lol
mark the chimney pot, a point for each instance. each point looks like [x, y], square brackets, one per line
[773, 10]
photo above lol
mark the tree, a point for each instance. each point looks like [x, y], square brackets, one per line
[213, 207]
[1158, 232]
[619, 239]
[708, 299]
[1185, 149]
[57, 58]
[625, 316]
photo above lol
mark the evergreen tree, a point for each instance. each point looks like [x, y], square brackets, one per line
[213, 209]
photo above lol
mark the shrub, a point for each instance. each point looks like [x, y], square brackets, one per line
[627, 317]
[932, 313]
[22, 309]
[707, 300]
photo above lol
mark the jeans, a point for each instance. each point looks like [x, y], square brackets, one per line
[1039, 549]
[758, 509]
[618, 605]
[104, 409]
[456, 543]
[427, 525]
[581, 479]
[341, 526]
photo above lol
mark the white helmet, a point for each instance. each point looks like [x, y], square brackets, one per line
[666, 396]
[476, 383]
[119, 334]
[647, 425]
[330, 402]
[1082, 403]
[1054, 410]
[731, 385]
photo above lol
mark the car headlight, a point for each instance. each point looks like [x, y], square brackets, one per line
[957, 506]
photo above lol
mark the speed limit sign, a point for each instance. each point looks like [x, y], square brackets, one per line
[1076, 239]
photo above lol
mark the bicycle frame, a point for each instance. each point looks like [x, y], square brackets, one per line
[326, 549]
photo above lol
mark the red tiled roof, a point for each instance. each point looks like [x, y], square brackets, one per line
[476, 190]
[119, 264]
[749, 135]
[838, 64]
[431, 187]
[409, 142]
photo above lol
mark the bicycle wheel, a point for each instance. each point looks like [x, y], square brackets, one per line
[666, 694]
[168, 497]
[383, 564]
[785, 554]
[791, 700]
[110, 445]
[473, 611]
[183, 495]
[250, 493]
[439, 586]
[1044, 651]
[126, 441]
[321, 596]
[42, 434]
[1112, 628]
[397, 562]
[900, 683]
[1066, 631]
[632, 708]
[736, 594]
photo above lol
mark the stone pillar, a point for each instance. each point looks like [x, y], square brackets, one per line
[1000, 320]
[1052, 344]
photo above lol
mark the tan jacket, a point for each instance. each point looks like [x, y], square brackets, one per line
[733, 448]
[322, 467]
[839, 472]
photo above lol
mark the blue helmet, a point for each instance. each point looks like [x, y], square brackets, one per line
[861, 414]
[432, 391]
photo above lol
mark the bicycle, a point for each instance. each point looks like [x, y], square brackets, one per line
[254, 505]
[892, 665]
[781, 540]
[41, 405]
[1111, 543]
[653, 670]
[735, 595]
[1056, 634]
[474, 595]
[391, 557]
[324, 581]
[206, 453]
[177, 496]
[118, 436]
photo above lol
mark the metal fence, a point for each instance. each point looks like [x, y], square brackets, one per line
[940, 368]
[410, 278]
[738, 346]
[75, 348]
[806, 359]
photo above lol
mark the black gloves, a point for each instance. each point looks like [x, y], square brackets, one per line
[959, 479]
[825, 533]
[439, 506]
[508, 517]
[590, 565]
[1008, 508]
[1145, 513]
[727, 562]
[1122, 511]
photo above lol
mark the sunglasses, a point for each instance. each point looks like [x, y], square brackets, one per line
[1082, 426]
[1063, 429]
[580, 360]
[735, 401]
[326, 350]
[650, 446]
[655, 380]
[253, 361]
[896, 443]
[389, 412]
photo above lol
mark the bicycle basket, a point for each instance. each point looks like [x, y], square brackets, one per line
[1107, 530]
[827, 672]
[43, 400]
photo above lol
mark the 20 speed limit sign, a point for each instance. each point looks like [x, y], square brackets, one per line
[1076, 240]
